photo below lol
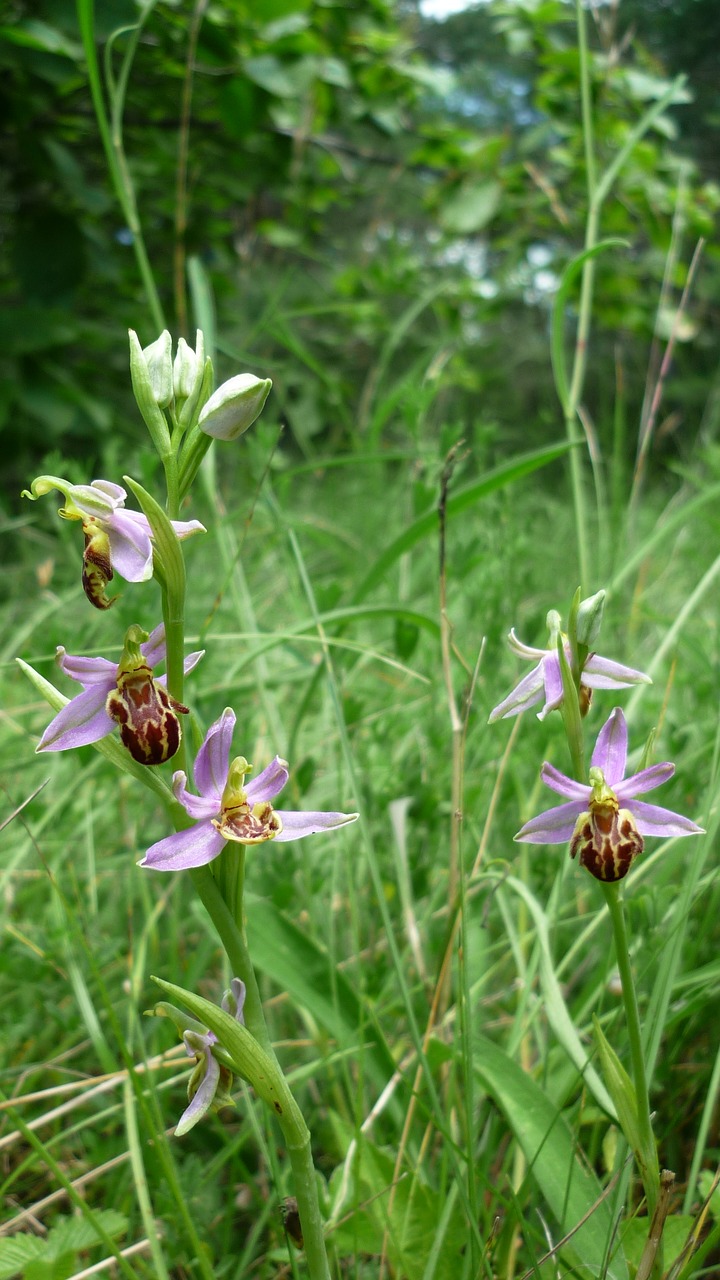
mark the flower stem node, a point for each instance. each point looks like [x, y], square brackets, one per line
[229, 809]
[604, 822]
[146, 713]
[234, 406]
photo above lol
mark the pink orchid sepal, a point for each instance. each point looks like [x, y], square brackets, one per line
[544, 682]
[604, 822]
[230, 809]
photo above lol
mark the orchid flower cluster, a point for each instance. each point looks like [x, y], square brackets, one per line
[605, 825]
[603, 822]
[229, 812]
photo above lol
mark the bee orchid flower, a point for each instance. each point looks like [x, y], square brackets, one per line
[230, 809]
[605, 822]
[544, 682]
[124, 693]
[115, 539]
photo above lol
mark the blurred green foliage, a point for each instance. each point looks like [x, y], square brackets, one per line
[383, 206]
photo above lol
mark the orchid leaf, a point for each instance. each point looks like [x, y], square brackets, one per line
[569, 1186]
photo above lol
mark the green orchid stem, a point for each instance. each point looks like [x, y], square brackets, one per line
[172, 484]
[173, 618]
[648, 1161]
[290, 1118]
[196, 446]
[236, 950]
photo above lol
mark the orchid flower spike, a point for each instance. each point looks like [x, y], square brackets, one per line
[115, 539]
[231, 809]
[604, 822]
[126, 694]
[544, 682]
[211, 1081]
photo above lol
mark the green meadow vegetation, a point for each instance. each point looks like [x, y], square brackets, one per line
[478, 260]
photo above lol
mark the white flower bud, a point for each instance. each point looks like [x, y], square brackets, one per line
[234, 406]
[188, 366]
[589, 619]
[158, 359]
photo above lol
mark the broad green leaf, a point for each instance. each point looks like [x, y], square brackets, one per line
[36, 34]
[622, 1092]
[568, 1185]
[79, 1233]
[249, 1060]
[167, 553]
[471, 208]
[17, 1251]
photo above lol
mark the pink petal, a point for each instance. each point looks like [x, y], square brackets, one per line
[130, 547]
[524, 650]
[552, 680]
[115, 492]
[185, 849]
[153, 649]
[213, 758]
[610, 752]
[646, 780]
[554, 826]
[204, 1095]
[186, 528]
[89, 671]
[524, 695]
[653, 821]
[182, 528]
[564, 786]
[297, 825]
[190, 663]
[602, 673]
[269, 782]
[83, 720]
[198, 807]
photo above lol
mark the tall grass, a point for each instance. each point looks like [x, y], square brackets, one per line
[430, 985]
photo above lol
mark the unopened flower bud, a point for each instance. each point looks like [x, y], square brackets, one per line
[148, 385]
[554, 626]
[158, 358]
[589, 619]
[188, 366]
[234, 406]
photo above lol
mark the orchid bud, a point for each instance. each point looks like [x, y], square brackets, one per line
[589, 619]
[158, 358]
[148, 385]
[234, 406]
[188, 366]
